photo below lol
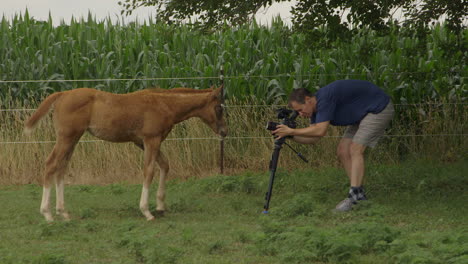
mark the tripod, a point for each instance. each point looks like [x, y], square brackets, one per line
[273, 165]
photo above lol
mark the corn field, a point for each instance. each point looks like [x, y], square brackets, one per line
[259, 62]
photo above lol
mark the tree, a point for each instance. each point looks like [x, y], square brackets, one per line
[339, 16]
[209, 13]
[342, 14]
[424, 13]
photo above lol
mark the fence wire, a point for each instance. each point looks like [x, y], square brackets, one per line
[249, 106]
[221, 139]
[225, 77]
[222, 77]
[240, 138]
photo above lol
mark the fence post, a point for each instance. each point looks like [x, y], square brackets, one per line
[221, 150]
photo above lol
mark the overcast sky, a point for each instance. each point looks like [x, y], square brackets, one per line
[65, 9]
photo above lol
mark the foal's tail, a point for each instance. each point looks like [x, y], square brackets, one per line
[41, 111]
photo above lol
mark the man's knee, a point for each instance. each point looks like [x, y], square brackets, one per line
[343, 150]
[356, 149]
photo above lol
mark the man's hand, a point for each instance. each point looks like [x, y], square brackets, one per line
[282, 131]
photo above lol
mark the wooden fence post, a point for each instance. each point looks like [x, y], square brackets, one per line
[221, 158]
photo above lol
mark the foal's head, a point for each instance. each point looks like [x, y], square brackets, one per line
[213, 112]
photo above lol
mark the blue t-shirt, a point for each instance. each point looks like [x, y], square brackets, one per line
[347, 102]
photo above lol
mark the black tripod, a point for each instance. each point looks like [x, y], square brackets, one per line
[273, 165]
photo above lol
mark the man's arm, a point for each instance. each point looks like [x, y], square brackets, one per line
[305, 140]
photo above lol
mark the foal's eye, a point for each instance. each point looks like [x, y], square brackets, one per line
[219, 110]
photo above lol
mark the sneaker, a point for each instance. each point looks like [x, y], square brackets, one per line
[345, 205]
[362, 197]
[362, 194]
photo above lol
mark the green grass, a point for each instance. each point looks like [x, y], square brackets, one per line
[416, 214]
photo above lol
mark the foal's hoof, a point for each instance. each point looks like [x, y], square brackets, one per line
[48, 218]
[160, 212]
[150, 219]
[66, 217]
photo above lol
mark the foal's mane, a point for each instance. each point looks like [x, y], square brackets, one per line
[180, 90]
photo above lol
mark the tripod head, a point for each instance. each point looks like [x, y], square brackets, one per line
[288, 118]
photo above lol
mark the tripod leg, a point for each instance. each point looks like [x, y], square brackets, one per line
[273, 166]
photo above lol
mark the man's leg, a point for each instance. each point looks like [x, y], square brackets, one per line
[356, 151]
[355, 140]
[344, 155]
[351, 155]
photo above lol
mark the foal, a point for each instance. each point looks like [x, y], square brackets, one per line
[145, 118]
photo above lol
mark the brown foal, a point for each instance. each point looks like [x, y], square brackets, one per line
[145, 118]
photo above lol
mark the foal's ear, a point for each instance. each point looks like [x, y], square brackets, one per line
[219, 92]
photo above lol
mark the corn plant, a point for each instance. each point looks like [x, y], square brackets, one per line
[260, 62]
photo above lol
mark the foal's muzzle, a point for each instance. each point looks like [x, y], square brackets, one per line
[222, 132]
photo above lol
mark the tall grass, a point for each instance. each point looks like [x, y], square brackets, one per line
[248, 147]
[263, 62]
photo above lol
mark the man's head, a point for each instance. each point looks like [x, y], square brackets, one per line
[302, 101]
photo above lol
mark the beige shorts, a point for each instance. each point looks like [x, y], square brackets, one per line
[371, 128]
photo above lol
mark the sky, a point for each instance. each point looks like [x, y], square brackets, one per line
[101, 9]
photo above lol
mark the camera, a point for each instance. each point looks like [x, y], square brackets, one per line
[287, 117]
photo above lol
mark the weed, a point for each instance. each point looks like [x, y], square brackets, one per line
[136, 249]
[300, 204]
[165, 255]
[88, 213]
[56, 229]
[216, 247]
[116, 189]
[342, 245]
[85, 188]
[187, 236]
[92, 227]
[225, 184]
[431, 248]
[243, 237]
[183, 204]
[128, 211]
[368, 234]
[50, 259]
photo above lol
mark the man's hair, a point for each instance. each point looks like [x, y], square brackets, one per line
[299, 95]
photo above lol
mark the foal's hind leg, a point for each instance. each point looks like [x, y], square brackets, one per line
[163, 170]
[59, 185]
[55, 167]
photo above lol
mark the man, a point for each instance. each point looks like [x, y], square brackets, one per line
[361, 106]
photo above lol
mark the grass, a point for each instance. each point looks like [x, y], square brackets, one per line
[416, 214]
[106, 163]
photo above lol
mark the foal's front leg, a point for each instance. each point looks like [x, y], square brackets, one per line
[151, 148]
[60, 202]
[163, 170]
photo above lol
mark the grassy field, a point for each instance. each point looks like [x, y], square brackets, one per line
[416, 214]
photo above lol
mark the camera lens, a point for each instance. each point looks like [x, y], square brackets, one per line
[271, 126]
